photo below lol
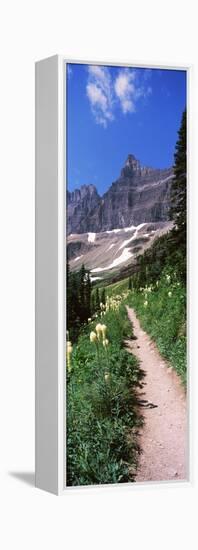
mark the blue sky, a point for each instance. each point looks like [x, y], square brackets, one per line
[114, 111]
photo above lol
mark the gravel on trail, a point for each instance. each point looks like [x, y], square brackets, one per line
[162, 401]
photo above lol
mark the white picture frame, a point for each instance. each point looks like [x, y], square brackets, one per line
[50, 450]
[50, 307]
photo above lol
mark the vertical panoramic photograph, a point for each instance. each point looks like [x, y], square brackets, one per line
[126, 273]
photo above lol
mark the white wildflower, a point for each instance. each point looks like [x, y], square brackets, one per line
[105, 343]
[99, 330]
[68, 355]
[104, 330]
[93, 337]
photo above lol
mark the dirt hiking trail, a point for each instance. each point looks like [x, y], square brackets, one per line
[162, 403]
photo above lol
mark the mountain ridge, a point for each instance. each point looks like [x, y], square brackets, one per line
[140, 194]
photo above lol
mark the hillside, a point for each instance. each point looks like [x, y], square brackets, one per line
[106, 254]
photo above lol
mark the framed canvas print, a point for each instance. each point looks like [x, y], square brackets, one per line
[112, 180]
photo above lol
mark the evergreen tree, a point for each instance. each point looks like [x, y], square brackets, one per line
[78, 297]
[97, 300]
[73, 305]
[82, 295]
[87, 293]
[103, 296]
[68, 291]
[93, 302]
[178, 199]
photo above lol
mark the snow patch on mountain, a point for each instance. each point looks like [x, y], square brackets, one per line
[91, 237]
[127, 241]
[113, 231]
[111, 246]
[78, 258]
[126, 254]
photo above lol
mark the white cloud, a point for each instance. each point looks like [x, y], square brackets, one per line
[129, 90]
[125, 90]
[99, 92]
[96, 96]
[107, 93]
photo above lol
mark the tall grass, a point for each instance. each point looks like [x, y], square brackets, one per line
[117, 288]
[102, 419]
[161, 308]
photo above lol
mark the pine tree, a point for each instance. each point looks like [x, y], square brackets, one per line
[87, 293]
[93, 302]
[68, 291]
[178, 199]
[73, 305]
[78, 297]
[178, 190]
[103, 296]
[82, 296]
[97, 300]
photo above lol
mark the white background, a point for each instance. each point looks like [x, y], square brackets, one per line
[147, 31]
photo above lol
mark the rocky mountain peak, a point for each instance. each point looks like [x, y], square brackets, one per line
[131, 166]
[88, 192]
[140, 195]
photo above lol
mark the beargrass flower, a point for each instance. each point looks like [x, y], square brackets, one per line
[68, 355]
[103, 330]
[145, 303]
[169, 293]
[93, 337]
[69, 347]
[105, 342]
[99, 330]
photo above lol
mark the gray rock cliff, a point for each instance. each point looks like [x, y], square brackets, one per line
[141, 194]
